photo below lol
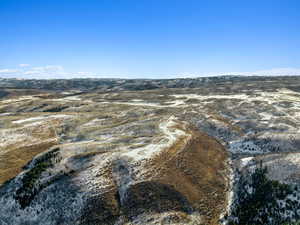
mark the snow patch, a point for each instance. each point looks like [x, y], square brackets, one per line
[169, 131]
[245, 147]
[21, 121]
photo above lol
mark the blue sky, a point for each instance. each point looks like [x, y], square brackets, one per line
[148, 38]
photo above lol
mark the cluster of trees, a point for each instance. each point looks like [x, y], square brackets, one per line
[257, 201]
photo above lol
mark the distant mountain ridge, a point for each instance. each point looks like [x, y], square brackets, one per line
[110, 84]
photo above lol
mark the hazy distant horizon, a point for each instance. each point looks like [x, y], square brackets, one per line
[61, 74]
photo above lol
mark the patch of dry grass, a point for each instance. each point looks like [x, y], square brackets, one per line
[197, 170]
[12, 162]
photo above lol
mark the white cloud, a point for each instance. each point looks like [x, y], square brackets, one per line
[8, 71]
[43, 72]
[23, 65]
[46, 70]
[270, 72]
[84, 74]
[57, 71]
[50, 71]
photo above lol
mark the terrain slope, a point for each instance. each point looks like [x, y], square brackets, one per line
[181, 151]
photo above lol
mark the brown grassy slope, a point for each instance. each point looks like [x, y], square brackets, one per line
[11, 162]
[16, 156]
[196, 170]
[190, 174]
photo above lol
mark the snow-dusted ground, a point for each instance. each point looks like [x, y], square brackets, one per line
[10, 137]
[282, 167]
[245, 147]
[61, 116]
[89, 178]
[169, 131]
[17, 100]
[29, 119]
[21, 137]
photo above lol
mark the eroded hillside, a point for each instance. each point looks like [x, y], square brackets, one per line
[161, 156]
